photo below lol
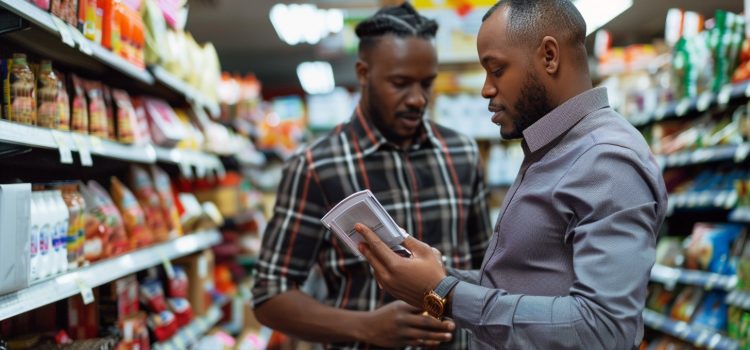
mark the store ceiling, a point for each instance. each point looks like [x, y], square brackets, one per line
[246, 41]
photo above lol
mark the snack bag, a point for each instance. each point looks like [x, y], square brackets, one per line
[63, 104]
[167, 202]
[104, 230]
[709, 247]
[147, 197]
[125, 117]
[686, 303]
[133, 216]
[98, 125]
[79, 119]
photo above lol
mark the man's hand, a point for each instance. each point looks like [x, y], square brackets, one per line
[398, 324]
[407, 279]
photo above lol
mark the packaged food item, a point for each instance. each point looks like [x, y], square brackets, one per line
[98, 123]
[713, 311]
[109, 109]
[125, 117]
[63, 104]
[149, 200]
[76, 207]
[134, 333]
[709, 247]
[20, 93]
[104, 231]
[141, 132]
[166, 201]
[686, 303]
[134, 218]
[659, 298]
[110, 25]
[166, 129]
[79, 120]
[47, 96]
[119, 300]
[66, 10]
[163, 324]
[178, 283]
[90, 20]
[42, 4]
[182, 311]
[62, 219]
[152, 296]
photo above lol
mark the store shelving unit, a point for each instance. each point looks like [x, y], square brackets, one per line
[86, 48]
[688, 106]
[740, 214]
[671, 276]
[700, 337]
[738, 153]
[188, 335]
[712, 200]
[739, 298]
[99, 273]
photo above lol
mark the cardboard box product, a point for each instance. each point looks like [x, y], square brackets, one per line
[199, 268]
[15, 244]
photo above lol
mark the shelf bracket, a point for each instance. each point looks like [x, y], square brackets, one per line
[10, 22]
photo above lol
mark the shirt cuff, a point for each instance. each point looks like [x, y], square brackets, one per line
[473, 307]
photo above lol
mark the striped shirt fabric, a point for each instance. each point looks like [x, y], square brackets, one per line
[434, 190]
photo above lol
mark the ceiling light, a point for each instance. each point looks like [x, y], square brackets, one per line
[316, 77]
[297, 23]
[597, 13]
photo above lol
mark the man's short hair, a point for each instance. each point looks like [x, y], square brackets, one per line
[401, 21]
[530, 20]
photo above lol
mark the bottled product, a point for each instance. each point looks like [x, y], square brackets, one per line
[47, 91]
[54, 222]
[63, 222]
[19, 89]
[45, 234]
[34, 232]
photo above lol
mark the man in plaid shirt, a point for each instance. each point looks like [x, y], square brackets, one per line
[429, 179]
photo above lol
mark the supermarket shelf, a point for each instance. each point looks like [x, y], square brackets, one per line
[190, 93]
[46, 21]
[740, 214]
[74, 282]
[188, 335]
[738, 153]
[700, 337]
[715, 200]
[671, 276]
[134, 153]
[456, 58]
[739, 299]
[691, 105]
[201, 161]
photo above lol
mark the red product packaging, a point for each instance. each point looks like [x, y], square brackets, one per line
[178, 284]
[163, 324]
[182, 311]
[134, 333]
[152, 295]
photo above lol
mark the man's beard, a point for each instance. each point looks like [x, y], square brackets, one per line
[376, 117]
[531, 106]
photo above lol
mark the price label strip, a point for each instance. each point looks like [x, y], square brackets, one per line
[64, 30]
[724, 95]
[83, 150]
[96, 144]
[167, 265]
[83, 43]
[66, 154]
[86, 293]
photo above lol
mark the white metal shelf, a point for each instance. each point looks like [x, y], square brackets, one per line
[97, 274]
[671, 276]
[738, 153]
[713, 199]
[698, 336]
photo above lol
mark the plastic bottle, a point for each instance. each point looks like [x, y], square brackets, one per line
[54, 222]
[34, 239]
[45, 235]
[62, 231]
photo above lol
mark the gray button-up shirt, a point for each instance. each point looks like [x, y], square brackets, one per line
[570, 258]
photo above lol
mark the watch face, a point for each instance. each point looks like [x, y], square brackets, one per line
[434, 304]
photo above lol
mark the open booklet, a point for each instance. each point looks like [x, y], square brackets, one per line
[362, 207]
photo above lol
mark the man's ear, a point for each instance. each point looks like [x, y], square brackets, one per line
[362, 69]
[549, 52]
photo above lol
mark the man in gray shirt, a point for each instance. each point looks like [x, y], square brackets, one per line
[572, 250]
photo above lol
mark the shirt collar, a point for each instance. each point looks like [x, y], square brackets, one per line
[564, 117]
[370, 139]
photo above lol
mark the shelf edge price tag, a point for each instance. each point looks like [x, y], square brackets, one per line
[724, 95]
[83, 43]
[96, 144]
[682, 107]
[64, 31]
[167, 265]
[66, 154]
[83, 150]
[86, 293]
[704, 100]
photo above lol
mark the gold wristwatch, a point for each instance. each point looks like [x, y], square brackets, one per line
[434, 301]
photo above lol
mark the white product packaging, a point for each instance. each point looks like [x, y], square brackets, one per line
[15, 248]
[34, 238]
[46, 232]
[62, 231]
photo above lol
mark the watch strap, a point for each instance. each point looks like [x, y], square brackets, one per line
[445, 286]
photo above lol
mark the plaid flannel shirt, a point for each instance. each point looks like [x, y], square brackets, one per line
[435, 190]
